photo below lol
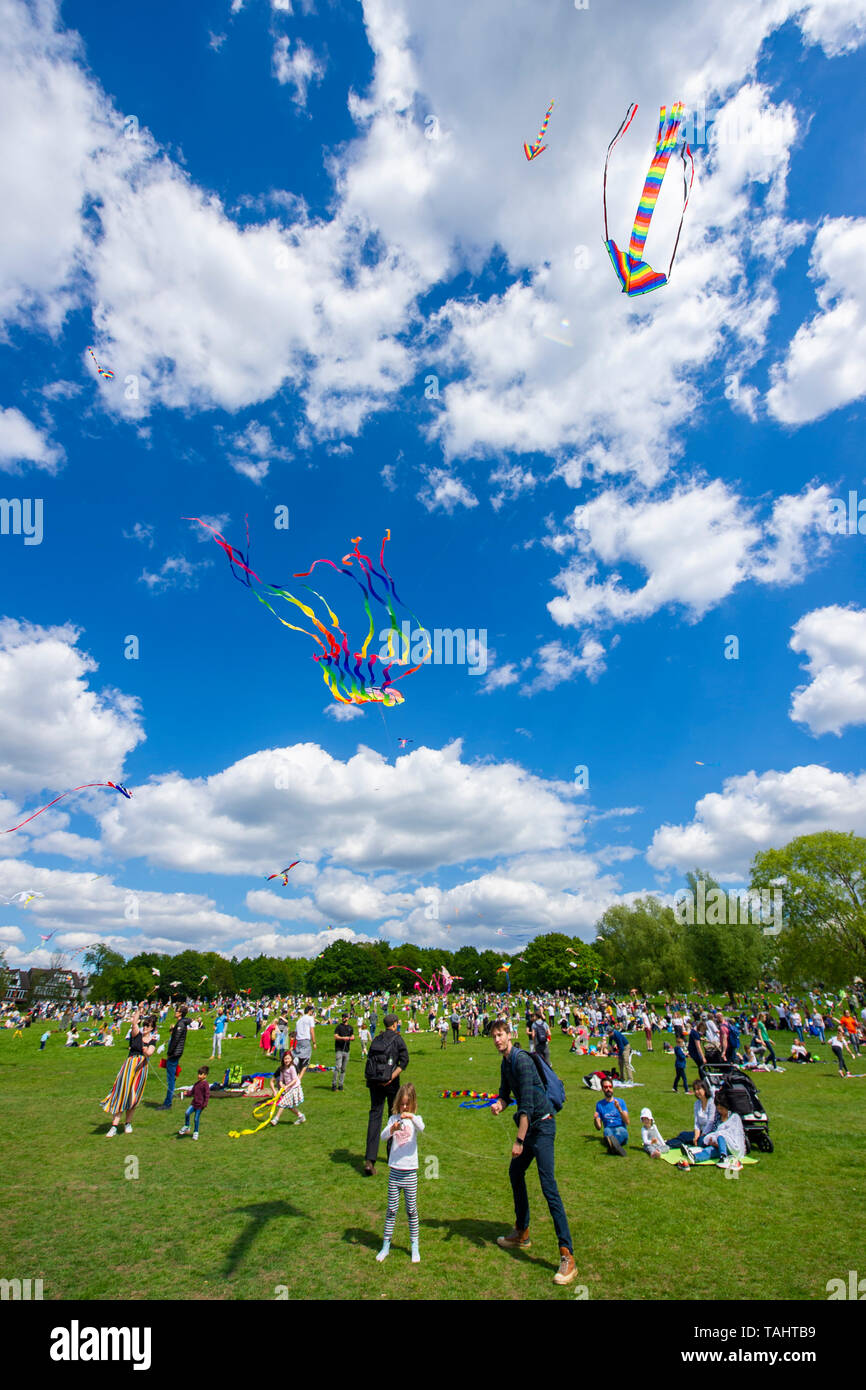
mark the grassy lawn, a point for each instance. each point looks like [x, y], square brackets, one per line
[235, 1218]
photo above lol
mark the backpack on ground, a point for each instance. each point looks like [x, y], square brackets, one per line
[380, 1061]
[553, 1087]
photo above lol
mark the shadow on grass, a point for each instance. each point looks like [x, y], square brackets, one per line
[355, 1161]
[355, 1235]
[482, 1234]
[259, 1214]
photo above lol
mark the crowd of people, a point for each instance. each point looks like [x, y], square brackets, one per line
[598, 1027]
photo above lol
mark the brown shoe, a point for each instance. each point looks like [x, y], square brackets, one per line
[567, 1268]
[515, 1240]
[369, 1169]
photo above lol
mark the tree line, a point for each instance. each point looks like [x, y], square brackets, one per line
[817, 932]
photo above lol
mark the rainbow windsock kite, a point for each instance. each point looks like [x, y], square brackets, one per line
[633, 272]
[532, 150]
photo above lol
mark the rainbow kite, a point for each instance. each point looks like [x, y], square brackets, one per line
[284, 873]
[633, 272]
[531, 151]
[341, 669]
[115, 787]
[103, 371]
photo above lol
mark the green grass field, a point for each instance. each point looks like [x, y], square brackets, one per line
[236, 1218]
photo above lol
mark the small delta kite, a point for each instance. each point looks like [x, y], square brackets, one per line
[634, 274]
[283, 874]
[532, 151]
[115, 787]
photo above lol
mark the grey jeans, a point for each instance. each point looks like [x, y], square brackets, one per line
[341, 1060]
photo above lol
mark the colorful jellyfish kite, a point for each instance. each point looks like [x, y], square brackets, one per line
[532, 151]
[506, 971]
[284, 873]
[633, 272]
[403, 741]
[115, 787]
[350, 676]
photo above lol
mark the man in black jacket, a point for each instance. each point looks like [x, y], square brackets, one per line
[389, 1055]
[176, 1044]
[536, 1133]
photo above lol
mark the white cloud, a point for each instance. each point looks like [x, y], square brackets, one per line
[559, 663]
[443, 490]
[343, 712]
[756, 812]
[695, 546]
[141, 531]
[176, 572]
[498, 677]
[298, 68]
[834, 641]
[55, 731]
[839, 26]
[253, 450]
[362, 812]
[23, 442]
[511, 480]
[825, 368]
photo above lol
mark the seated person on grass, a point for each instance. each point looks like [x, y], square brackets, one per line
[800, 1053]
[650, 1137]
[726, 1143]
[611, 1117]
[705, 1118]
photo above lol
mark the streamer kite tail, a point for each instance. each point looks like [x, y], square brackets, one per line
[636, 276]
[115, 787]
[532, 151]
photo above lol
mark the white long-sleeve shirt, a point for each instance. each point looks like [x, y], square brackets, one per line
[404, 1142]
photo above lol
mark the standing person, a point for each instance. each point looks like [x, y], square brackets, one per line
[540, 1037]
[198, 1101]
[535, 1139]
[623, 1053]
[305, 1032]
[443, 1033]
[388, 1057]
[647, 1028]
[455, 1025]
[128, 1085]
[43, 1040]
[402, 1132]
[680, 1066]
[765, 1039]
[219, 1029]
[696, 1047]
[343, 1035]
[838, 1043]
[288, 1079]
[266, 1039]
[260, 1018]
[364, 1035]
[176, 1044]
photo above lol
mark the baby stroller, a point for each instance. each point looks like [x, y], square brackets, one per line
[743, 1099]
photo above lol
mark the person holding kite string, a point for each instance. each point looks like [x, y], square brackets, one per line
[128, 1086]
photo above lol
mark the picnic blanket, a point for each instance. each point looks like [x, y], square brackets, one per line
[675, 1156]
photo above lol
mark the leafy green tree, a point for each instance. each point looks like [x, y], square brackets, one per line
[822, 878]
[546, 964]
[642, 946]
[726, 955]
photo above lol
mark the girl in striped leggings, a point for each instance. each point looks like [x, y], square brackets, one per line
[401, 1132]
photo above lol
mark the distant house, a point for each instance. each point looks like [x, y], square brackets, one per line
[34, 986]
[17, 986]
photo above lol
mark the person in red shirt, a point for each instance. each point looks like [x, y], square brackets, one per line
[200, 1097]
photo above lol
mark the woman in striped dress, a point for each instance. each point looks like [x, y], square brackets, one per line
[128, 1085]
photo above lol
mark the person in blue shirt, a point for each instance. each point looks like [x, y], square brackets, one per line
[219, 1031]
[680, 1061]
[611, 1117]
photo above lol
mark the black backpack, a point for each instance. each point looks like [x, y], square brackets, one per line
[380, 1059]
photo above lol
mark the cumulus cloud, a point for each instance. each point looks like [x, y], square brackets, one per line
[297, 67]
[695, 547]
[23, 442]
[756, 812]
[825, 367]
[443, 490]
[55, 731]
[834, 642]
[175, 572]
[253, 450]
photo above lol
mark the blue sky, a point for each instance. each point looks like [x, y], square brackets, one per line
[241, 208]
